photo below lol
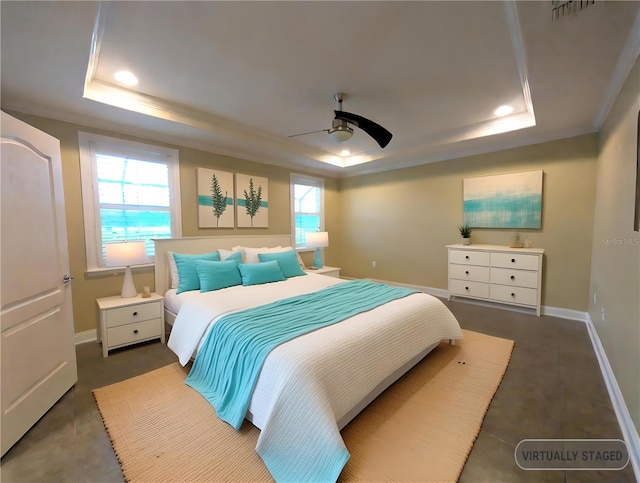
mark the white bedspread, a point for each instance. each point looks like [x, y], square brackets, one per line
[311, 382]
[199, 310]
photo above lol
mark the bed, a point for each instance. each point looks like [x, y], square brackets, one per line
[311, 386]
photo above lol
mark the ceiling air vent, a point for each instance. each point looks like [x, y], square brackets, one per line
[562, 8]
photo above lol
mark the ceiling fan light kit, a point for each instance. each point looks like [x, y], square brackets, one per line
[341, 131]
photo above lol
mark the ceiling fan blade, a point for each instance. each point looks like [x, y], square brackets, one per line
[305, 133]
[373, 129]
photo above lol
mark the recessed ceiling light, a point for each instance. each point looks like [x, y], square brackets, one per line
[126, 77]
[345, 152]
[503, 111]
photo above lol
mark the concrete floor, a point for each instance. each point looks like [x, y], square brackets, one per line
[553, 388]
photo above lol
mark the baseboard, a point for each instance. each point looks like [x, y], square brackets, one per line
[86, 336]
[628, 429]
[629, 432]
[564, 313]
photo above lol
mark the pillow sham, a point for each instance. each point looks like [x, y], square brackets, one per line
[230, 255]
[288, 262]
[187, 274]
[173, 270]
[250, 255]
[217, 275]
[258, 273]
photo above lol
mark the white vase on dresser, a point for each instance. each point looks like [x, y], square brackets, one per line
[497, 274]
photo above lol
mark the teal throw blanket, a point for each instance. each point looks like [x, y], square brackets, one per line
[226, 369]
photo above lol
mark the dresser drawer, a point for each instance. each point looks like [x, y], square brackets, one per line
[469, 257]
[518, 278]
[516, 295]
[469, 272]
[469, 289]
[133, 313]
[514, 260]
[127, 334]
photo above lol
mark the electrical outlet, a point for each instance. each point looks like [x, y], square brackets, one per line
[373, 264]
[602, 313]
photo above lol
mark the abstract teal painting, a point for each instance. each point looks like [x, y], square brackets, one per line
[511, 200]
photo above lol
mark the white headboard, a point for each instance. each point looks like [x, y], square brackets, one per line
[205, 244]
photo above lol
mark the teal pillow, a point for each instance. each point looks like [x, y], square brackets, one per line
[288, 262]
[217, 275]
[187, 273]
[257, 273]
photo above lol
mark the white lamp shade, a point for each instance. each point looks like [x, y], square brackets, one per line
[124, 254]
[317, 239]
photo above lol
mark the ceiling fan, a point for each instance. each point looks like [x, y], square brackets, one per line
[341, 132]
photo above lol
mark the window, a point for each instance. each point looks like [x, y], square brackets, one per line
[130, 191]
[307, 207]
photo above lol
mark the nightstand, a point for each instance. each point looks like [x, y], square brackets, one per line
[126, 321]
[329, 271]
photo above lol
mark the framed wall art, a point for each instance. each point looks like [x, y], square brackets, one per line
[504, 201]
[215, 198]
[252, 201]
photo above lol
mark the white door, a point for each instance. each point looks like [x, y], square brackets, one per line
[36, 339]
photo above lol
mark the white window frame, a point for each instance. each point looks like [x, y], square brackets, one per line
[309, 181]
[87, 144]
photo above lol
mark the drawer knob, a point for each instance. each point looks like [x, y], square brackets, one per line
[135, 331]
[466, 272]
[513, 277]
[466, 257]
[512, 294]
[135, 313]
[466, 288]
[513, 260]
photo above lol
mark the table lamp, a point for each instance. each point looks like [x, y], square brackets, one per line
[317, 240]
[125, 254]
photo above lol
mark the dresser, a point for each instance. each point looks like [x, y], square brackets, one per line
[497, 274]
[126, 321]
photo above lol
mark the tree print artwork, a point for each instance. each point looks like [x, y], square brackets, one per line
[215, 198]
[218, 199]
[252, 201]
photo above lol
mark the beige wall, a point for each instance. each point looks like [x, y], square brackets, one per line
[615, 273]
[403, 219]
[86, 289]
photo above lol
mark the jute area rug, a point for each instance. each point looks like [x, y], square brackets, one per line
[420, 429]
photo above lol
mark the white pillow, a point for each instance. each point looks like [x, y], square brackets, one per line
[250, 255]
[224, 254]
[173, 270]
